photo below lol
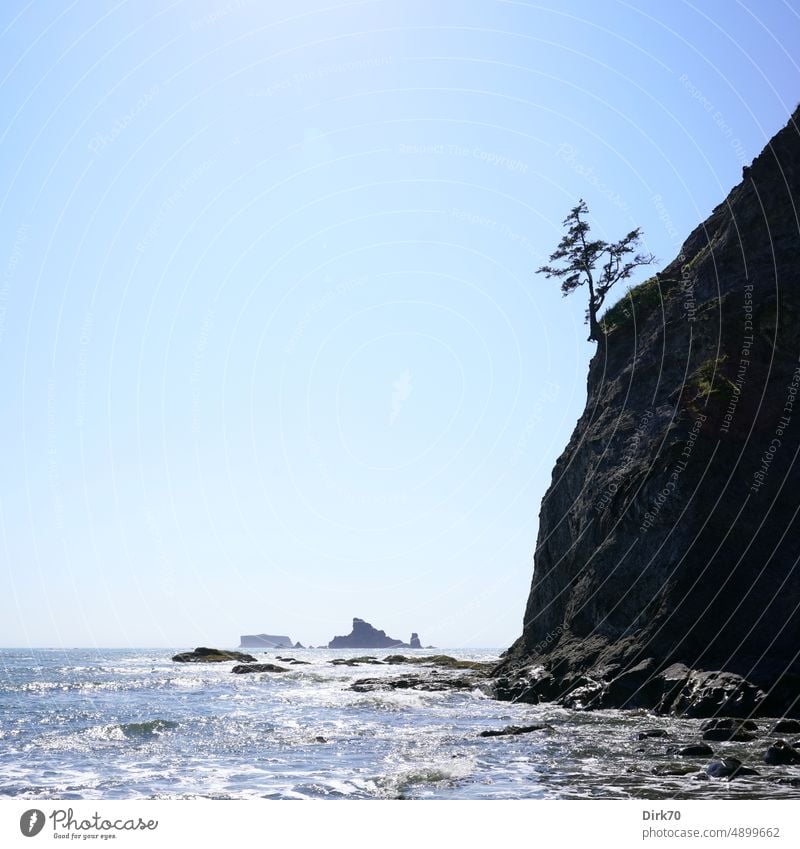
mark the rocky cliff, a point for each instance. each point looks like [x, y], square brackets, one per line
[666, 571]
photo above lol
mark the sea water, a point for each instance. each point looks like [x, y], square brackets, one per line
[118, 724]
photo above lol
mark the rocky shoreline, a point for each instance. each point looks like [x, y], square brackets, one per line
[724, 748]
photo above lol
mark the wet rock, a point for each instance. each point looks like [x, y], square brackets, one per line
[674, 769]
[780, 753]
[205, 655]
[729, 722]
[652, 732]
[444, 661]
[245, 668]
[732, 735]
[728, 729]
[432, 684]
[728, 768]
[696, 750]
[320, 740]
[512, 730]
[786, 726]
[293, 660]
[353, 661]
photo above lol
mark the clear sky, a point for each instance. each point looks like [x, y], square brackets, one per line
[272, 351]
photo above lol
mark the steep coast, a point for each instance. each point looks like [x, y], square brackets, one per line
[666, 570]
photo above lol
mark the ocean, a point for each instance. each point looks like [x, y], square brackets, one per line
[120, 724]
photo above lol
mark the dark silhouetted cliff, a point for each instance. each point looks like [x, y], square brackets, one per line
[666, 571]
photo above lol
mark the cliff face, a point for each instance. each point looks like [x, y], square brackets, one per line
[667, 570]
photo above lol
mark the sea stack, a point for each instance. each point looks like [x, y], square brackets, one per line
[264, 641]
[364, 636]
[666, 570]
[414, 642]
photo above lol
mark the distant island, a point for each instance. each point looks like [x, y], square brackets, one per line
[364, 636]
[265, 641]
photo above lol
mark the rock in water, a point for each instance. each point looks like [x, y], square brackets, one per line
[364, 636]
[245, 668]
[780, 753]
[414, 642]
[652, 732]
[512, 730]
[728, 768]
[206, 655]
[651, 588]
[696, 750]
[786, 726]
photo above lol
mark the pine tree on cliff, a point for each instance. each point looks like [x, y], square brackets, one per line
[582, 255]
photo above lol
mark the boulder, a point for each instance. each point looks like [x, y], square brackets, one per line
[786, 726]
[733, 735]
[780, 753]
[696, 750]
[206, 655]
[652, 732]
[512, 730]
[244, 668]
[728, 768]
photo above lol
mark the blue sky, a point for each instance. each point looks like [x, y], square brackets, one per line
[272, 351]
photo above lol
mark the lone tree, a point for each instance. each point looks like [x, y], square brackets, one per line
[593, 261]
